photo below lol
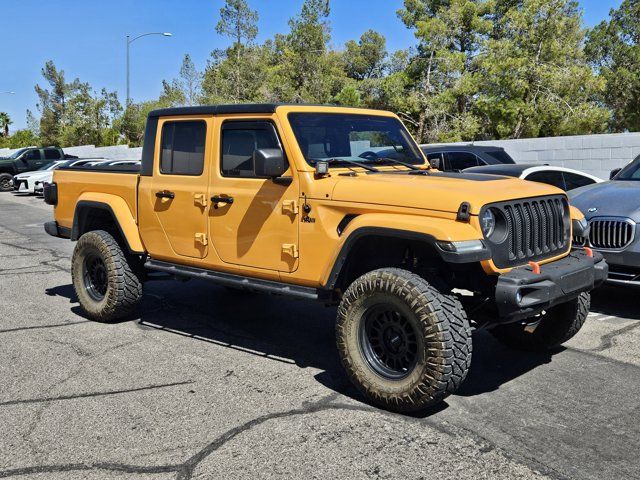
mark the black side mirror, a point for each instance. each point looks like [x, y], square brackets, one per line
[614, 173]
[269, 163]
[435, 163]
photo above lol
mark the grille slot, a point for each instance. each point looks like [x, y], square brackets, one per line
[537, 228]
[611, 233]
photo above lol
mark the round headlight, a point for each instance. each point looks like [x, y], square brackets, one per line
[488, 223]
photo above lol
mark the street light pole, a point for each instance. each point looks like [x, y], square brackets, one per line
[129, 41]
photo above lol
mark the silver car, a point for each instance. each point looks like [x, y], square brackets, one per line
[613, 211]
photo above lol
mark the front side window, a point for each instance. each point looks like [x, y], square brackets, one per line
[32, 155]
[458, 161]
[630, 172]
[182, 147]
[344, 138]
[239, 141]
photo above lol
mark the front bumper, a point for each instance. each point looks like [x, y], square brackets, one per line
[21, 185]
[522, 293]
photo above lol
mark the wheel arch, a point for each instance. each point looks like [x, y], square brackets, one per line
[94, 215]
[392, 242]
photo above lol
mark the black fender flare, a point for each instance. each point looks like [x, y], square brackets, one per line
[352, 239]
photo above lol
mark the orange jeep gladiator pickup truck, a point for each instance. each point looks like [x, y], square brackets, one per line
[337, 205]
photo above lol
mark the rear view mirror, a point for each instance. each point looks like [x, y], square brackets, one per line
[614, 173]
[269, 163]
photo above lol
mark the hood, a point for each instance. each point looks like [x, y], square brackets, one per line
[34, 175]
[616, 198]
[437, 191]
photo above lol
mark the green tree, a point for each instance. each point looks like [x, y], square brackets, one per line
[305, 69]
[5, 121]
[72, 113]
[191, 80]
[613, 48]
[239, 22]
[535, 79]
[20, 138]
[443, 76]
[366, 58]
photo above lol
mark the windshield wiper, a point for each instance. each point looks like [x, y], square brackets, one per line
[397, 162]
[348, 162]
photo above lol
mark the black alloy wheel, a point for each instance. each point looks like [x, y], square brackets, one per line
[389, 342]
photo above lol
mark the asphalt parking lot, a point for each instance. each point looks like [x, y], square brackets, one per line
[210, 384]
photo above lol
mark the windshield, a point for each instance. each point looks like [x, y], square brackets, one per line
[17, 153]
[630, 172]
[367, 139]
[48, 166]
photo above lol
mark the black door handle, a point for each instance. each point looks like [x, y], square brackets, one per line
[165, 194]
[220, 199]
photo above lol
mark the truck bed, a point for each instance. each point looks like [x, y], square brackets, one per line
[91, 183]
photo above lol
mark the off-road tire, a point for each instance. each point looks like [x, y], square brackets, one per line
[442, 331]
[123, 277]
[5, 182]
[557, 325]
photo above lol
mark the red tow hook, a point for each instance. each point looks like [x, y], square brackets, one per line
[589, 252]
[535, 266]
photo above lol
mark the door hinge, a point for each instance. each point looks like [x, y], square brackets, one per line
[290, 207]
[201, 238]
[200, 199]
[290, 249]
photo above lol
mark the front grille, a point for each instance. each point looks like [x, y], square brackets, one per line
[536, 229]
[611, 233]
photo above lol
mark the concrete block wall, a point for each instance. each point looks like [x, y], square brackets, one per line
[116, 152]
[594, 154]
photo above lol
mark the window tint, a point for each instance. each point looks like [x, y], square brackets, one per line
[52, 154]
[549, 177]
[573, 180]
[461, 160]
[32, 155]
[182, 148]
[239, 141]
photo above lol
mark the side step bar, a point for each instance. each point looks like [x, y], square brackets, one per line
[237, 281]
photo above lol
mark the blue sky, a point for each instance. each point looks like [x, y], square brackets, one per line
[87, 38]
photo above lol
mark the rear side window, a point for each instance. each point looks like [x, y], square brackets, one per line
[501, 156]
[460, 160]
[182, 148]
[549, 177]
[52, 154]
[239, 141]
[573, 180]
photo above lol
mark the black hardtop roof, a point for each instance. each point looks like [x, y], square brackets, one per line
[230, 109]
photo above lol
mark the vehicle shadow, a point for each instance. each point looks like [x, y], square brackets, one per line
[295, 332]
[616, 301]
